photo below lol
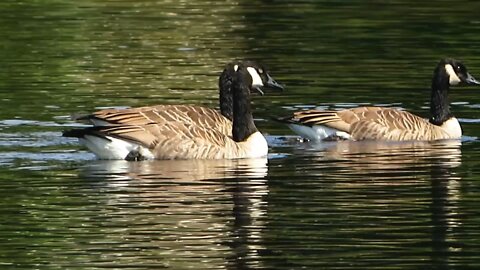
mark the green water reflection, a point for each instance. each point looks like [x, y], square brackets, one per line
[343, 206]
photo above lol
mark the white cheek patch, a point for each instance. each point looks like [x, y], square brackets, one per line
[235, 68]
[453, 77]
[256, 80]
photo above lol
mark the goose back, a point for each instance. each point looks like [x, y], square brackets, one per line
[378, 123]
[162, 114]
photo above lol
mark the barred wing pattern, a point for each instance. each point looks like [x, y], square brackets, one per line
[374, 123]
[161, 115]
[178, 140]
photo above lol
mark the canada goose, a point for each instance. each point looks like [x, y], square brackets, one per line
[379, 123]
[187, 137]
[196, 115]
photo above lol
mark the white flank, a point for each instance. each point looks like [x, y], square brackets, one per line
[256, 146]
[256, 80]
[452, 127]
[453, 77]
[317, 133]
[113, 148]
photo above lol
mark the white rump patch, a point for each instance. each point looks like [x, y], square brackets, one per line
[235, 68]
[453, 128]
[317, 132]
[453, 77]
[256, 79]
[113, 148]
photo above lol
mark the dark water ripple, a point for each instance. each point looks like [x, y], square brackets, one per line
[339, 205]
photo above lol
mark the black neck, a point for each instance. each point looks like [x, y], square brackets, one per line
[243, 125]
[225, 94]
[439, 107]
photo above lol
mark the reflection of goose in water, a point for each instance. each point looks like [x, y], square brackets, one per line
[396, 196]
[195, 213]
[187, 170]
[389, 155]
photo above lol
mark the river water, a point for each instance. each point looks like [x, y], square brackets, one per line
[335, 205]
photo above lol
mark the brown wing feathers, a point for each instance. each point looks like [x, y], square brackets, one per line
[156, 114]
[372, 123]
[313, 117]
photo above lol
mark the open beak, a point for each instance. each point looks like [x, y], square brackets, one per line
[258, 89]
[470, 80]
[271, 83]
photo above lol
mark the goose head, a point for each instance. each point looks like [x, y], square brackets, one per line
[260, 77]
[449, 72]
[457, 72]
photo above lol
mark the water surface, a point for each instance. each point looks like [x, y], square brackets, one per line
[335, 205]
